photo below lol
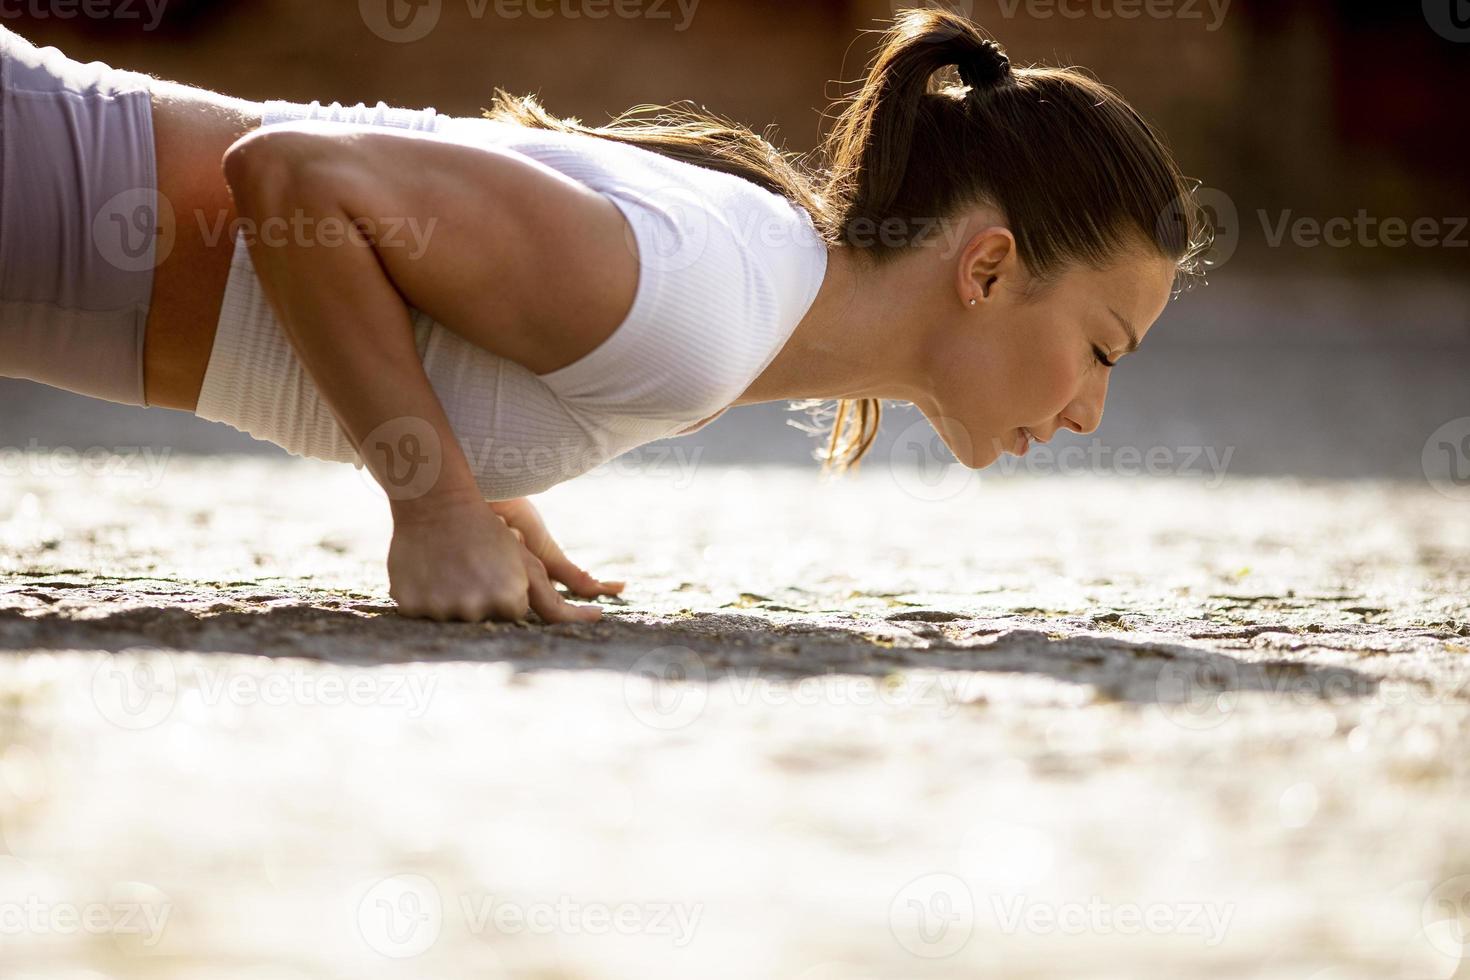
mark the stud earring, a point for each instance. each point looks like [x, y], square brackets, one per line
[972, 302]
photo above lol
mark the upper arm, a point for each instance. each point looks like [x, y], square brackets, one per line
[513, 255]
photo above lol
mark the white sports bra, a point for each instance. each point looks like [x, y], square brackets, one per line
[727, 271]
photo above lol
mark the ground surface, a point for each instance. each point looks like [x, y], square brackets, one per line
[882, 729]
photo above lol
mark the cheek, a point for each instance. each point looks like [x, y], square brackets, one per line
[1050, 378]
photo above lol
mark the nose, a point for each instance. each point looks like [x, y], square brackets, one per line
[1075, 426]
[1084, 415]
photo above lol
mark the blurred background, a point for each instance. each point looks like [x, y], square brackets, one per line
[1333, 339]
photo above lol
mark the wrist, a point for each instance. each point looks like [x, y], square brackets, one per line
[435, 504]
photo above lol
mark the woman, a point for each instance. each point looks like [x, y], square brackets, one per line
[476, 309]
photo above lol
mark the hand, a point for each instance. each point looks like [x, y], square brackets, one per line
[458, 561]
[551, 563]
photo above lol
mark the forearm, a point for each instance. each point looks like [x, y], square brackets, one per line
[351, 330]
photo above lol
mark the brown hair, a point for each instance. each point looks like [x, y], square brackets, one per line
[1078, 174]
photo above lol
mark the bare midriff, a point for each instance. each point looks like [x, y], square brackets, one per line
[192, 129]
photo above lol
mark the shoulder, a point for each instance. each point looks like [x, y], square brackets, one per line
[704, 317]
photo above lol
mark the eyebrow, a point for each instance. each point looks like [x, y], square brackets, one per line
[1128, 329]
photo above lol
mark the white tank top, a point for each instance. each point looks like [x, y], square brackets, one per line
[727, 271]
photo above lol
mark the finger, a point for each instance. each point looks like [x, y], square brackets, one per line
[578, 579]
[573, 576]
[549, 603]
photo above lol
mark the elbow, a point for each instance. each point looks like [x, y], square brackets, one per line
[268, 162]
[251, 160]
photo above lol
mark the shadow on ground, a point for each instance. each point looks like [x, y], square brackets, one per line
[696, 646]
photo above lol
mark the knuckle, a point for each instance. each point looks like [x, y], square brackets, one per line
[469, 612]
[514, 606]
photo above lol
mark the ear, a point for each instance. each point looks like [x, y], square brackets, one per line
[988, 257]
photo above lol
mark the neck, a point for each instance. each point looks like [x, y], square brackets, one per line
[855, 340]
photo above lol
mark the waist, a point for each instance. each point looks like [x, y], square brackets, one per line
[193, 130]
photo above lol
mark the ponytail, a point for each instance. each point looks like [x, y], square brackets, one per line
[869, 150]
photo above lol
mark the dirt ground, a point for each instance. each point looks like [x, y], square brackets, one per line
[871, 730]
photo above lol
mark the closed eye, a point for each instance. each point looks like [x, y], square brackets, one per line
[1102, 358]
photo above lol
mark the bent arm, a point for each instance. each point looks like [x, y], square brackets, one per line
[517, 258]
[348, 324]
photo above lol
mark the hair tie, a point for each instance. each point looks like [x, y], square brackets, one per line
[986, 67]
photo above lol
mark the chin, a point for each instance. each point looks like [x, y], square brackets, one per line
[970, 453]
[978, 457]
[984, 457]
